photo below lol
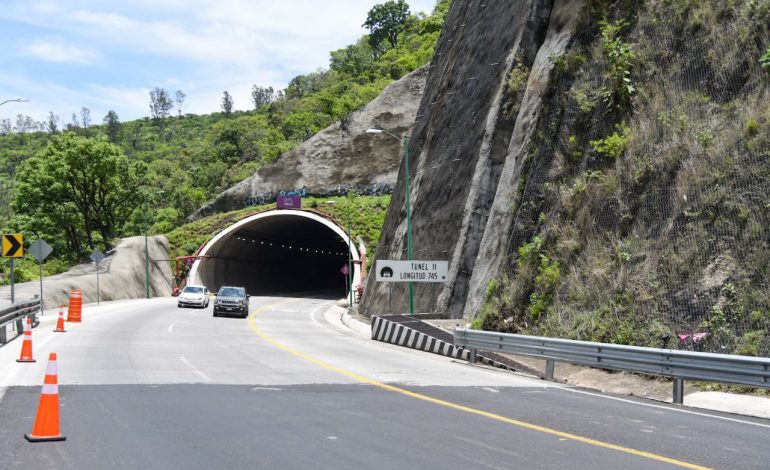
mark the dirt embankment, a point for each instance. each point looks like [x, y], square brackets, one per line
[122, 275]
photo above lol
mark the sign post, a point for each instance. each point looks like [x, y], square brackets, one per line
[96, 257]
[40, 250]
[345, 270]
[13, 247]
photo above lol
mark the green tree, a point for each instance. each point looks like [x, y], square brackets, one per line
[227, 104]
[160, 104]
[355, 60]
[304, 85]
[262, 95]
[179, 97]
[385, 21]
[86, 187]
[112, 122]
[53, 123]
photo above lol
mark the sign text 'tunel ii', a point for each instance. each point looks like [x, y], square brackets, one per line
[412, 271]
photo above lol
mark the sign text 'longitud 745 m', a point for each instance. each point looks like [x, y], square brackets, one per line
[412, 271]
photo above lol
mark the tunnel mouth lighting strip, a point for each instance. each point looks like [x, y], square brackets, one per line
[224, 235]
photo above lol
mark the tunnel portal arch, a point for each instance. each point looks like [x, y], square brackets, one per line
[278, 251]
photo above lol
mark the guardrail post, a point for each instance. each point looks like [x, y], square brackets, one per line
[472, 356]
[678, 398]
[549, 366]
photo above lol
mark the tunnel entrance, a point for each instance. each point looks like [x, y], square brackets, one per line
[277, 252]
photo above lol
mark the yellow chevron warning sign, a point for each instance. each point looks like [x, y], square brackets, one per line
[13, 245]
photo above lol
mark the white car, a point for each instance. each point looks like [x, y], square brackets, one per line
[193, 296]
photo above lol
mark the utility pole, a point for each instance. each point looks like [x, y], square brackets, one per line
[405, 142]
[146, 255]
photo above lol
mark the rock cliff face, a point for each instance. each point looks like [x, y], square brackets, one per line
[594, 169]
[463, 144]
[340, 158]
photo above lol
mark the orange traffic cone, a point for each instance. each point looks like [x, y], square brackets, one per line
[60, 321]
[26, 346]
[46, 426]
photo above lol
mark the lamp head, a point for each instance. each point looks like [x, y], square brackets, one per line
[374, 131]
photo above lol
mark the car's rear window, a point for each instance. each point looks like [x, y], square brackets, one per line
[231, 292]
[193, 290]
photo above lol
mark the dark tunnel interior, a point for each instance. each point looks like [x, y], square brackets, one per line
[278, 254]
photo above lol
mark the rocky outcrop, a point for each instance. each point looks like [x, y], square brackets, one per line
[594, 170]
[339, 158]
[122, 275]
[468, 145]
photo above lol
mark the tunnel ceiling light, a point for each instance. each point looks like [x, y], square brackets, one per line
[374, 131]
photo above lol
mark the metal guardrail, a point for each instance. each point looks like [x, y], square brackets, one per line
[679, 365]
[15, 312]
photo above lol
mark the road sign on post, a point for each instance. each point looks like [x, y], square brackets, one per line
[97, 256]
[40, 250]
[345, 270]
[13, 245]
[412, 271]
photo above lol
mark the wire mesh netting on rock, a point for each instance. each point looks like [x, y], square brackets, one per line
[643, 205]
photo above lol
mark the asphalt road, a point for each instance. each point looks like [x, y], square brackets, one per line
[146, 385]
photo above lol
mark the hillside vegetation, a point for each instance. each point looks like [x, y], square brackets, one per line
[181, 161]
[363, 216]
[643, 210]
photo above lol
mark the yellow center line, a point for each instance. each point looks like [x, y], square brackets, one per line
[455, 406]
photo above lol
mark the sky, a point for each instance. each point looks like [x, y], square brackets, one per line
[63, 55]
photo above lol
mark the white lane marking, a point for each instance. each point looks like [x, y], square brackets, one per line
[170, 327]
[201, 374]
[486, 446]
[666, 408]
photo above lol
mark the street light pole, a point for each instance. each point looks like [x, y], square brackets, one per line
[17, 100]
[146, 255]
[405, 142]
[13, 265]
[350, 256]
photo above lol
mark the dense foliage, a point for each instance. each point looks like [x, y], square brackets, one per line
[363, 216]
[187, 159]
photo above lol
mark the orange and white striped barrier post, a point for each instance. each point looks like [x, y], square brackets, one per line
[60, 321]
[46, 427]
[26, 345]
[76, 306]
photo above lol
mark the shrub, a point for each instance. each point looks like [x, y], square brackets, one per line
[751, 343]
[545, 283]
[620, 59]
[528, 251]
[613, 145]
[764, 61]
[515, 86]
